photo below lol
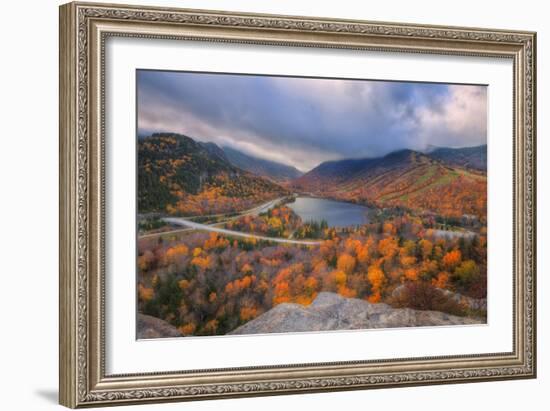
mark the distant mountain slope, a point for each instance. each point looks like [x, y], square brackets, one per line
[215, 151]
[471, 157]
[178, 175]
[266, 168]
[403, 178]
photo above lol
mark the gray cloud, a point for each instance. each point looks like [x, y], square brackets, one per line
[303, 121]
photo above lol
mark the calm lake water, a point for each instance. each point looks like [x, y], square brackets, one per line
[336, 213]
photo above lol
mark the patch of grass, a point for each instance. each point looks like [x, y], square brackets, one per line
[151, 224]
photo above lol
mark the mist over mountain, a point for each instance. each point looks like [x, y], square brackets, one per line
[471, 157]
[266, 168]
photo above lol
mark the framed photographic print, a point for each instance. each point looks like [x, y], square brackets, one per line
[259, 204]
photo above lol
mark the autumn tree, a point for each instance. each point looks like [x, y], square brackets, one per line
[442, 280]
[426, 248]
[247, 313]
[377, 279]
[188, 328]
[466, 272]
[206, 283]
[346, 263]
[411, 274]
[211, 327]
[388, 247]
[364, 251]
[146, 261]
[452, 259]
[175, 254]
[145, 294]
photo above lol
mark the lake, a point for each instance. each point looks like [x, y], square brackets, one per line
[335, 213]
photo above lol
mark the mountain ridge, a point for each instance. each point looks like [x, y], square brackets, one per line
[443, 154]
[404, 178]
[175, 170]
[471, 157]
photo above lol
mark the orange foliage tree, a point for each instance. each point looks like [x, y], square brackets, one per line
[452, 259]
[377, 279]
[346, 263]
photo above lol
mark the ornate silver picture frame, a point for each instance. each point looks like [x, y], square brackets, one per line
[84, 30]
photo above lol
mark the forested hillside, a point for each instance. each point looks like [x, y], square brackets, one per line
[403, 178]
[178, 175]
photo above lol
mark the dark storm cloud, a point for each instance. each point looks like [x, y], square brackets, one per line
[303, 122]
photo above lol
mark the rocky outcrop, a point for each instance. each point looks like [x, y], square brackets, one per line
[330, 311]
[151, 327]
[471, 303]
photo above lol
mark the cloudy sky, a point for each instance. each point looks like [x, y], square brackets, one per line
[303, 122]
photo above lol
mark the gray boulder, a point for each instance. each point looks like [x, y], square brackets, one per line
[330, 311]
[151, 327]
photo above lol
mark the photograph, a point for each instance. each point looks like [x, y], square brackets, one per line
[284, 204]
[263, 203]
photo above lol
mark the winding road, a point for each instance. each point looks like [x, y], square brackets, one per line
[198, 226]
[191, 225]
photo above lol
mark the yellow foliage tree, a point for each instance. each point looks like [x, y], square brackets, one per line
[184, 284]
[339, 277]
[202, 262]
[173, 254]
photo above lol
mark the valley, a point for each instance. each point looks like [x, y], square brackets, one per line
[224, 237]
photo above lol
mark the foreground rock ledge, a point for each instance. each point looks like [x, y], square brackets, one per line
[151, 327]
[330, 311]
